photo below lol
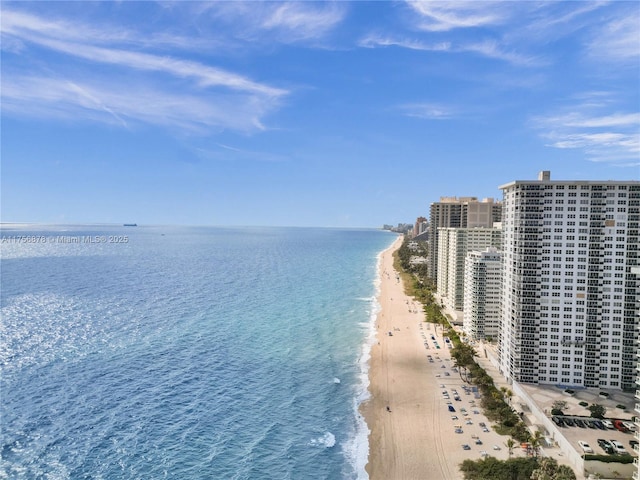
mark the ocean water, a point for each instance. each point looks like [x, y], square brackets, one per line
[186, 353]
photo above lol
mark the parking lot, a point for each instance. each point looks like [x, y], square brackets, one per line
[459, 403]
[590, 433]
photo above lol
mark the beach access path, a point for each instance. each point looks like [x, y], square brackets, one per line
[415, 438]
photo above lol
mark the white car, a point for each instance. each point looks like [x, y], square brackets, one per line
[585, 446]
[608, 424]
[630, 426]
[618, 447]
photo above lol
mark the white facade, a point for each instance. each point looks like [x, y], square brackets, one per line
[483, 294]
[636, 474]
[453, 246]
[458, 212]
[569, 295]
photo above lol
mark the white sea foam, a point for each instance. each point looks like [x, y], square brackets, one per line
[357, 448]
[328, 440]
[336, 380]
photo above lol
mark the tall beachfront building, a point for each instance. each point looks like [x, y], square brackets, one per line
[453, 246]
[570, 296]
[456, 212]
[483, 294]
[636, 448]
[636, 474]
[420, 226]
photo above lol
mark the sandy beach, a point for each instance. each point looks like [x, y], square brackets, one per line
[410, 369]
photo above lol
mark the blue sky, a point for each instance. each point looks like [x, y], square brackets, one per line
[339, 114]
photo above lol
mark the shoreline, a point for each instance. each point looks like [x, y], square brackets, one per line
[410, 367]
[361, 446]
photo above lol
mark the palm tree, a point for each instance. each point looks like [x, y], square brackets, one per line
[504, 391]
[463, 356]
[536, 442]
[510, 444]
[507, 394]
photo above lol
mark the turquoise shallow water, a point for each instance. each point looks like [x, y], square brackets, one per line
[166, 352]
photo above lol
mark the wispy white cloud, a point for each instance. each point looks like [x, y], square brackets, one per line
[614, 120]
[17, 24]
[489, 48]
[299, 20]
[205, 75]
[429, 111]
[493, 49]
[281, 22]
[376, 40]
[228, 153]
[188, 95]
[543, 22]
[613, 138]
[440, 16]
[110, 102]
[617, 40]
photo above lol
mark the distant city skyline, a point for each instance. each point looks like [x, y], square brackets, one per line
[337, 114]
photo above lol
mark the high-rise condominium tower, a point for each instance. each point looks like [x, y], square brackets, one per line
[464, 212]
[570, 294]
[453, 246]
[483, 293]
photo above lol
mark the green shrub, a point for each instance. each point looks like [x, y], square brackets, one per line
[610, 458]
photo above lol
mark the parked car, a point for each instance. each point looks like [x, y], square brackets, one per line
[569, 421]
[630, 426]
[618, 447]
[606, 446]
[598, 424]
[580, 423]
[558, 421]
[608, 424]
[619, 425]
[585, 446]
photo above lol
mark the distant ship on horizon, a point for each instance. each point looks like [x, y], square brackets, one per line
[130, 225]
